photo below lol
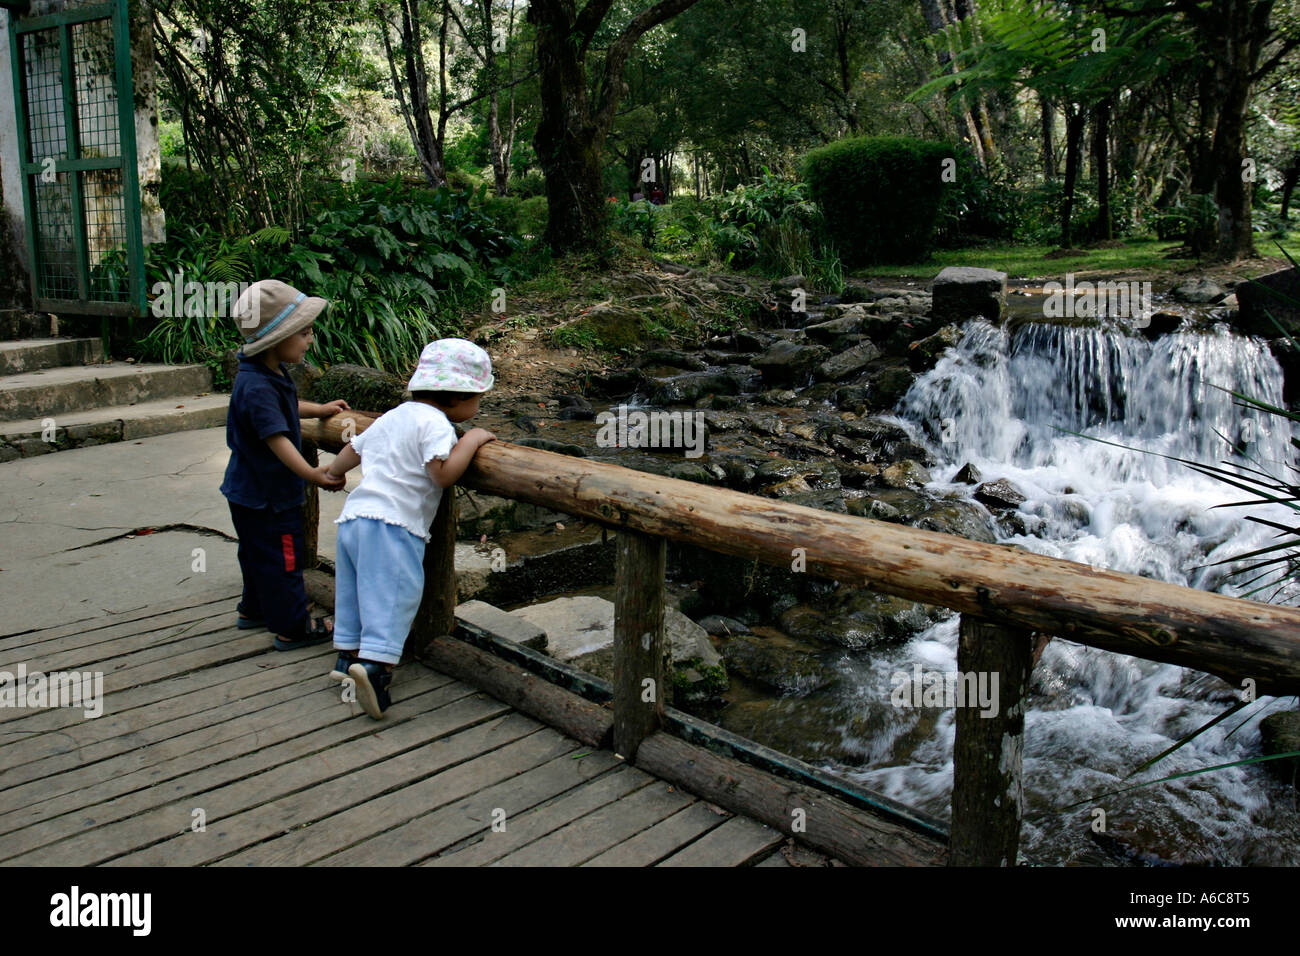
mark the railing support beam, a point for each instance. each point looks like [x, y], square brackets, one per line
[988, 793]
[640, 652]
[437, 614]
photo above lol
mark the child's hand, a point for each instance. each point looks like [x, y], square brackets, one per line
[479, 436]
[324, 478]
[329, 409]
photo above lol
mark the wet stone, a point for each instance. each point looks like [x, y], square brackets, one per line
[999, 494]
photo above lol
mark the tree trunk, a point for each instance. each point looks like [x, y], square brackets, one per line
[1048, 121]
[1101, 162]
[1074, 118]
[1289, 184]
[1232, 195]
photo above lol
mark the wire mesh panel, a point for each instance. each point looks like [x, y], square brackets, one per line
[56, 273]
[97, 116]
[105, 209]
[46, 129]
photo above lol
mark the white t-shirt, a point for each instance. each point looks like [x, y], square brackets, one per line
[395, 488]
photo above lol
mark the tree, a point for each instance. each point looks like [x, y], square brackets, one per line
[1238, 44]
[574, 121]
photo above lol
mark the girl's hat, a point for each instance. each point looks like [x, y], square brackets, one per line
[270, 311]
[452, 365]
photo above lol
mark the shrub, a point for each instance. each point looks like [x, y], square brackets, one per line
[881, 196]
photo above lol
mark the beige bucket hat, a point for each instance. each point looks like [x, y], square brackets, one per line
[269, 311]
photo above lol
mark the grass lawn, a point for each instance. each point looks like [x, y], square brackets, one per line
[1136, 256]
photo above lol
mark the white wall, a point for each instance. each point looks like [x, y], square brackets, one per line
[11, 184]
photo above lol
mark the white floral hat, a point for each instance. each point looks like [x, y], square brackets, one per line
[452, 365]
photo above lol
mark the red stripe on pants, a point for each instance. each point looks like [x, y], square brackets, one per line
[286, 541]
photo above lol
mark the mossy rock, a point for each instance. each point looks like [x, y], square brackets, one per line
[365, 389]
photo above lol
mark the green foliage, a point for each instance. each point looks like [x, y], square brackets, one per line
[881, 197]
[390, 260]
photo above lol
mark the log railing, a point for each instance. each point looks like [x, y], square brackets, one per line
[1010, 601]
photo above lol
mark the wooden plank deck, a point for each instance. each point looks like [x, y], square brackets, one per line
[202, 721]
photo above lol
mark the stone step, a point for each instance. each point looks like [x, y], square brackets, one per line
[25, 439]
[57, 391]
[29, 355]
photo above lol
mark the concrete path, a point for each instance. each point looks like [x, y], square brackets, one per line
[64, 551]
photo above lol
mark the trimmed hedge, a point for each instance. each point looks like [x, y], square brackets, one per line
[881, 195]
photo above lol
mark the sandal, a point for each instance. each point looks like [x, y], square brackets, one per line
[318, 632]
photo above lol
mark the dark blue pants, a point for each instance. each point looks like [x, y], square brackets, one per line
[271, 553]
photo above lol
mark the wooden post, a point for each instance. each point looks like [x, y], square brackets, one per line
[987, 787]
[639, 647]
[310, 509]
[437, 614]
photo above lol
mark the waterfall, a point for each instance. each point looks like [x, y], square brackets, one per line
[1007, 401]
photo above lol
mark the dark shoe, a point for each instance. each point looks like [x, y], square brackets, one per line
[372, 682]
[345, 660]
[317, 633]
[246, 623]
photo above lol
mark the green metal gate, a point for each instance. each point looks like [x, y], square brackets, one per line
[76, 130]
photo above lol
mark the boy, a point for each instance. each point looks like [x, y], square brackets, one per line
[264, 481]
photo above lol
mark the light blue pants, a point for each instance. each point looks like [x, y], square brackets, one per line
[378, 580]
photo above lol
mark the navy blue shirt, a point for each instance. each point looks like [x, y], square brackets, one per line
[262, 404]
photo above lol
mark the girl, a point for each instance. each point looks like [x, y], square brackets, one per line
[411, 454]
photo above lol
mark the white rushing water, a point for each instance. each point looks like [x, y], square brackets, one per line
[1006, 402]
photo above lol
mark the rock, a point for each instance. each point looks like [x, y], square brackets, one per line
[827, 500]
[576, 408]
[846, 362]
[858, 449]
[1200, 291]
[817, 475]
[511, 627]
[690, 471]
[479, 514]
[959, 517]
[545, 444]
[872, 508]
[787, 362]
[888, 387]
[1262, 294]
[857, 618]
[905, 474]
[364, 389]
[968, 475]
[722, 626]
[795, 281]
[787, 670]
[1162, 323]
[828, 333]
[960, 292]
[620, 383]
[1279, 734]
[739, 341]
[923, 355]
[857, 476]
[999, 494]
[685, 389]
[671, 358]
[581, 630]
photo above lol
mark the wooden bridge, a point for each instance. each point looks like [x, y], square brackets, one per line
[213, 749]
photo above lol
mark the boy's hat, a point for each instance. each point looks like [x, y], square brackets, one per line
[269, 311]
[452, 365]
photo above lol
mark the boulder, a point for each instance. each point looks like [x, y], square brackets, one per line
[846, 362]
[1264, 294]
[788, 362]
[905, 474]
[1200, 291]
[924, 354]
[827, 333]
[999, 494]
[968, 475]
[672, 359]
[581, 630]
[786, 670]
[722, 626]
[960, 292]
[364, 389]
